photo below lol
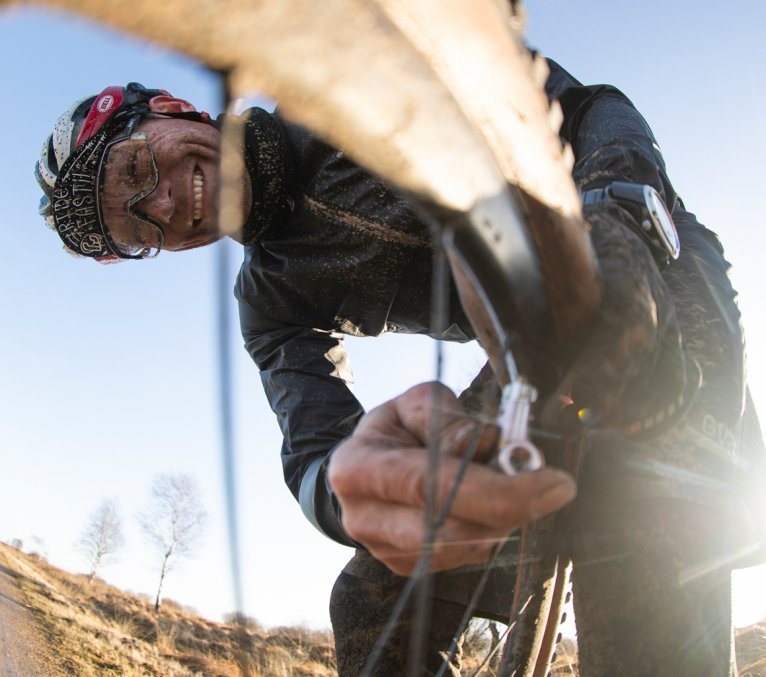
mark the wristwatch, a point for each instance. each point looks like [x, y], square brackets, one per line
[656, 226]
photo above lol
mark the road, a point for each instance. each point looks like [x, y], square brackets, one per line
[22, 646]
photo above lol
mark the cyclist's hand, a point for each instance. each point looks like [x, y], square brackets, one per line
[379, 475]
[632, 365]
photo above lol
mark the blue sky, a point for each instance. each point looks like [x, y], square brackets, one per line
[109, 372]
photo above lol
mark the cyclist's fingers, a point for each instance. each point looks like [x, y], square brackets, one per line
[494, 499]
[395, 535]
[358, 470]
[401, 562]
[430, 409]
[485, 496]
[413, 409]
[399, 476]
[401, 528]
[444, 556]
[459, 542]
[424, 410]
[480, 438]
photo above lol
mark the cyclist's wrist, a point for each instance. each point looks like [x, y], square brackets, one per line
[632, 360]
[319, 503]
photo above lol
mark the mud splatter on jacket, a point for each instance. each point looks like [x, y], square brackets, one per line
[334, 251]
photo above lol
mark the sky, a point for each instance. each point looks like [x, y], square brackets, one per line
[109, 373]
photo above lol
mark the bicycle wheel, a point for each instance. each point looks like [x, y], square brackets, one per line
[509, 257]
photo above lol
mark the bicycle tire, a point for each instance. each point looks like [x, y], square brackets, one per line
[498, 266]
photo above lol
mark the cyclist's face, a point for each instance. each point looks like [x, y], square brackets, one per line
[185, 201]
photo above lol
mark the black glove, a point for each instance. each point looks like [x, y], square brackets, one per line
[632, 372]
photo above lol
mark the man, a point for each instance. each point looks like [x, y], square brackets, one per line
[330, 250]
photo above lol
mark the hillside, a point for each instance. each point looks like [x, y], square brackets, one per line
[94, 629]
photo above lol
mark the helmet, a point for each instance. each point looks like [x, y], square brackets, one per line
[55, 151]
[70, 166]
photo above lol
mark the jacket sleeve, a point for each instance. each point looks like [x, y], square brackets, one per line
[610, 139]
[306, 374]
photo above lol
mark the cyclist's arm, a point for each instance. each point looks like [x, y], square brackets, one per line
[633, 355]
[610, 139]
[305, 375]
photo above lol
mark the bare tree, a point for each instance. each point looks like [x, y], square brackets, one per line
[102, 536]
[173, 523]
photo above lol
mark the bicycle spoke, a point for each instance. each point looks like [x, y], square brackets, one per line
[227, 428]
[424, 581]
[501, 640]
[470, 608]
[226, 389]
[423, 562]
[421, 579]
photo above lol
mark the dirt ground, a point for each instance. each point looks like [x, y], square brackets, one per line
[23, 648]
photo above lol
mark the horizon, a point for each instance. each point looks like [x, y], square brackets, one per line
[110, 371]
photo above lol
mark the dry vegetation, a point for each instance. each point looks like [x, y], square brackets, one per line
[95, 629]
[751, 651]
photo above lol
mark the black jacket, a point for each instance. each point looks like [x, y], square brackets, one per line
[334, 251]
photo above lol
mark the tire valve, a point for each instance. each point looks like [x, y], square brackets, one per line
[517, 453]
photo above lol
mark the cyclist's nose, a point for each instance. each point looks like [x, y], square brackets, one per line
[158, 205]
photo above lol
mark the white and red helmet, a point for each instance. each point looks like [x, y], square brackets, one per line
[69, 164]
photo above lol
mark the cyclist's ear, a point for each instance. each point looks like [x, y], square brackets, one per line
[169, 104]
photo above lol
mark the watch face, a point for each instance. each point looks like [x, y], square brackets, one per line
[663, 222]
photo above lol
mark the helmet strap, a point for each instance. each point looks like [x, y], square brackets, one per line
[192, 116]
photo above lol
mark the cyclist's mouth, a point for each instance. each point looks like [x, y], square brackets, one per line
[199, 185]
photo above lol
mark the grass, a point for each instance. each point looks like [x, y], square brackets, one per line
[95, 629]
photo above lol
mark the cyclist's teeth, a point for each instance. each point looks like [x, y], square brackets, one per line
[199, 182]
